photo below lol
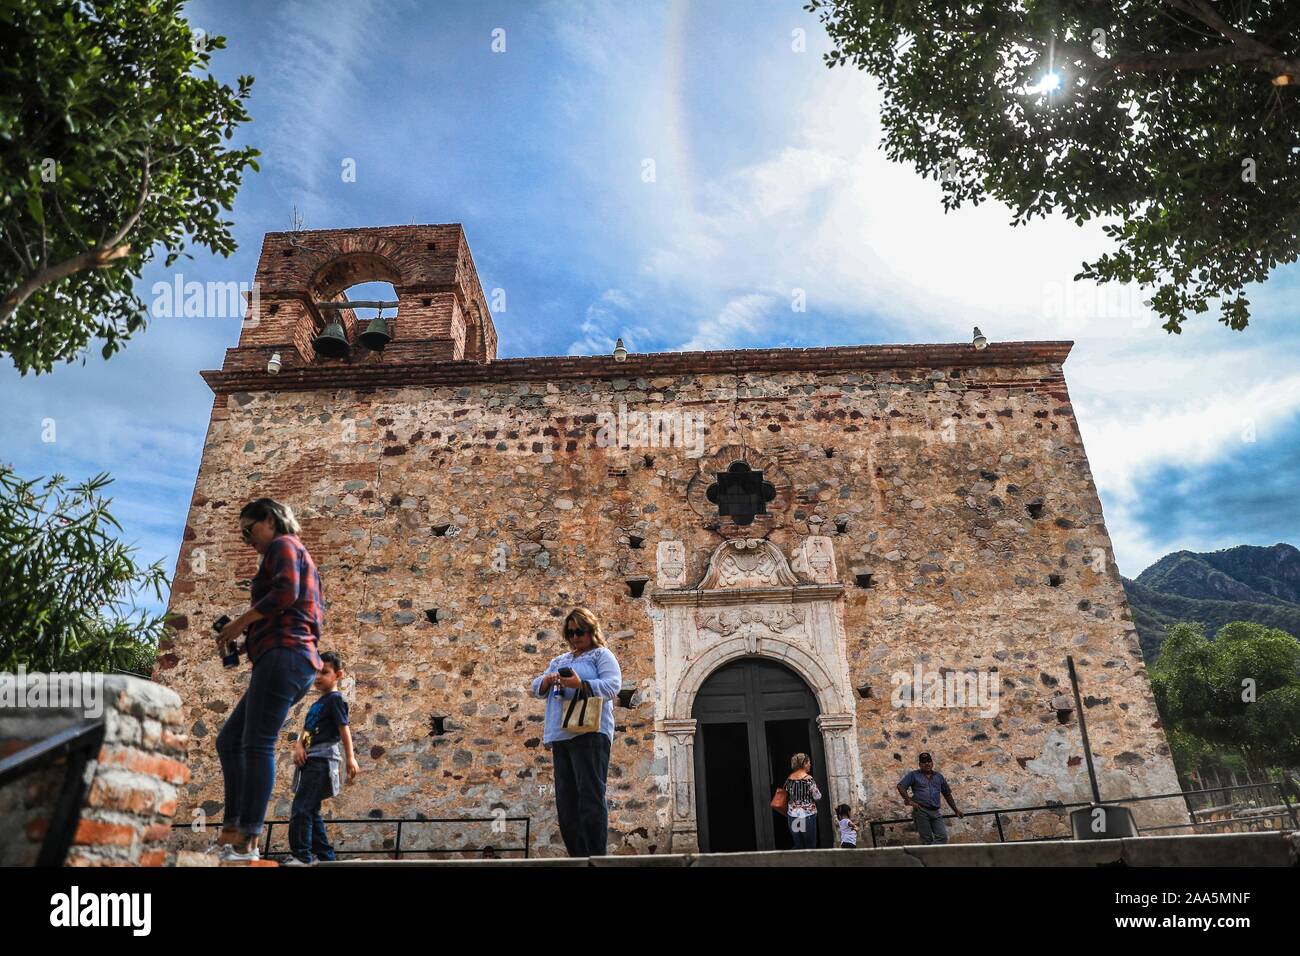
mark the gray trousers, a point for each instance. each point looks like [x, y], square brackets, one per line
[930, 826]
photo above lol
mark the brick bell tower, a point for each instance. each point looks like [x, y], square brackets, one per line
[442, 314]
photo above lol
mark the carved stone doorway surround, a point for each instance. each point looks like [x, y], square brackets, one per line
[751, 602]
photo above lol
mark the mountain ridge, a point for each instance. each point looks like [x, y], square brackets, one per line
[1243, 583]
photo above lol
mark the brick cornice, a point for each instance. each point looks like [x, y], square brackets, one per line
[245, 369]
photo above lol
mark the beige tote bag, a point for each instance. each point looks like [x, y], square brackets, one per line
[582, 716]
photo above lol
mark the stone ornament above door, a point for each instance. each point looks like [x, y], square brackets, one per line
[726, 622]
[748, 563]
[750, 600]
[752, 570]
[670, 564]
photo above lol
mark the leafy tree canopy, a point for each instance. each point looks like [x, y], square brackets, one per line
[1176, 120]
[1241, 690]
[112, 149]
[67, 587]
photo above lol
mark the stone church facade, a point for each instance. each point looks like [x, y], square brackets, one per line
[789, 549]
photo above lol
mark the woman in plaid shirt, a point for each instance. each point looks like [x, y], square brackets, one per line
[284, 628]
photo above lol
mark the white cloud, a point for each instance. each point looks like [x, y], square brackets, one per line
[742, 318]
[322, 49]
[824, 211]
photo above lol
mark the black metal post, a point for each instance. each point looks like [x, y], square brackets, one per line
[67, 811]
[997, 818]
[1083, 729]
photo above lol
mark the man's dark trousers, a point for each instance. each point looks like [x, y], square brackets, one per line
[930, 825]
[581, 765]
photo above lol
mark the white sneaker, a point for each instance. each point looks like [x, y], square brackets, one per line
[230, 854]
[292, 860]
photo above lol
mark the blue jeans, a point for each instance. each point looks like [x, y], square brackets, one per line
[306, 826]
[803, 831]
[581, 766]
[246, 744]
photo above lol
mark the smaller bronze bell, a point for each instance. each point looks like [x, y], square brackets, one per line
[376, 335]
[331, 343]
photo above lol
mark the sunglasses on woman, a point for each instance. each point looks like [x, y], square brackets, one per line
[570, 633]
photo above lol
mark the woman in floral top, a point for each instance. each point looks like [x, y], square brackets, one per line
[801, 809]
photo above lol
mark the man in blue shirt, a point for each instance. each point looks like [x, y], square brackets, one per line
[927, 784]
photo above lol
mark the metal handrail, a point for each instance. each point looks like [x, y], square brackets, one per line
[77, 744]
[1185, 795]
[397, 849]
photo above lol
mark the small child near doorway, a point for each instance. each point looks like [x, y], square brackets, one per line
[848, 829]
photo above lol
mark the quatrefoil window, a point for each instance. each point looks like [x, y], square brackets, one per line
[740, 493]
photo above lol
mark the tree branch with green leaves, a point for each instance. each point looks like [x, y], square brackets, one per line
[1240, 691]
[69, 590]
[1171, 122]
[114, 149]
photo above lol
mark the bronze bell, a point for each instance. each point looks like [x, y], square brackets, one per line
[376, 335]
[331, 343]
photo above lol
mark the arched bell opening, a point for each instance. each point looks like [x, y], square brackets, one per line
[356, 299]
[361, 317]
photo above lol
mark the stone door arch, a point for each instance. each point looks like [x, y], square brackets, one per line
[751, 602]
[752, 715]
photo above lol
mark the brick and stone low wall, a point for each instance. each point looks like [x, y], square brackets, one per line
[131, 792]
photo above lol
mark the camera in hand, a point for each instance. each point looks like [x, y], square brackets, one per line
[565, 672]
[231, 656]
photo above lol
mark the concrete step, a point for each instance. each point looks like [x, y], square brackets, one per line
[1274, 848]
[194, 858]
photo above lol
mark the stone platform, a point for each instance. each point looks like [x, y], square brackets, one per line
[1270, 849]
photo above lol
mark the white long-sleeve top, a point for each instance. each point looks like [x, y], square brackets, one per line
[599, 668]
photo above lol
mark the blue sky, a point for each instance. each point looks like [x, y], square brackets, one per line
[767, 179]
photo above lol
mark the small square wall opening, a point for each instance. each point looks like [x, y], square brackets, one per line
[636, 586]
[865, 580]
[635, 541]
[431, 615]
[1054, 580]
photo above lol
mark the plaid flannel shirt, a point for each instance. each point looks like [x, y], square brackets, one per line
[287, 590]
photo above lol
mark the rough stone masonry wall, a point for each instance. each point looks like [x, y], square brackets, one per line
[132, 782]
[923, 477]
